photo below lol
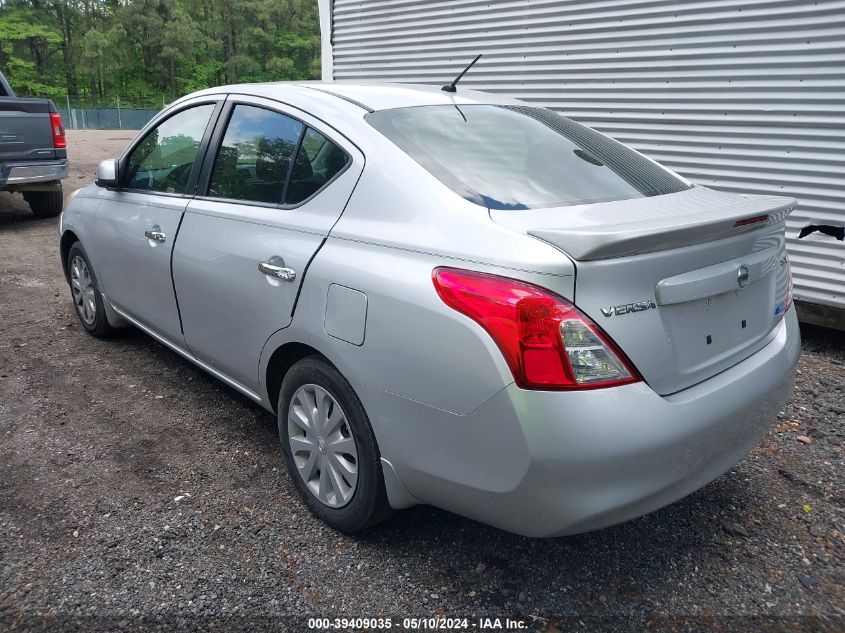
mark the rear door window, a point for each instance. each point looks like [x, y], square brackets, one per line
[255, 155]
[317, 163]
[520, 157]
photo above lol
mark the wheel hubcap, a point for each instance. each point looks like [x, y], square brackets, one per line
[322, 445]
[82, 287]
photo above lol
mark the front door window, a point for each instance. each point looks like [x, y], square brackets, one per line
[164, 159]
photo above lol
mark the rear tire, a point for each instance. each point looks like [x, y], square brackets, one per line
[85, 291]
[347, 501]
[45, 204]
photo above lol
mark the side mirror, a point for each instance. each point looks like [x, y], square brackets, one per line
[107, 174]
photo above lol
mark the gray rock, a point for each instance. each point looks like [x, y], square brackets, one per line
[807, 581]
[818, 529]
[735, 529]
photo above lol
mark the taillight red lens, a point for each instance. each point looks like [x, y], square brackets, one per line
[547, 342]
[59, 140]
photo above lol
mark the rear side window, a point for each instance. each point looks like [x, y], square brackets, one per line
[255, 156]
[317, 163]
[520, 157]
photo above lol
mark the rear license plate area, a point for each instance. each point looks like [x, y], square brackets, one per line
[710, 330]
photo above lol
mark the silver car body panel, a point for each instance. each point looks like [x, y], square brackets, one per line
[628, 227]
[453, 428]
[229, 308]
[136, 271]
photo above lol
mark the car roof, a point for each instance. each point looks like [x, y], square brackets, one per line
[368, 96]
[384, 96]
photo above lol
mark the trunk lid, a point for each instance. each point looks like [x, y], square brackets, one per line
[687, 284]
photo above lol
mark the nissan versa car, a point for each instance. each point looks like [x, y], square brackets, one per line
[452, 298]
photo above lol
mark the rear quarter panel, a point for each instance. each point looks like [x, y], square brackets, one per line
[413, 346]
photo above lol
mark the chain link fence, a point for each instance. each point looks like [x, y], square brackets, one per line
[106, 118]
[81, 113]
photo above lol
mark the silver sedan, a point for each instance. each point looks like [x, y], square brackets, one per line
[450, 298]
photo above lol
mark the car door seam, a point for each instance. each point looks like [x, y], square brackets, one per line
[326, 237]
[302, 279]
[173, 279]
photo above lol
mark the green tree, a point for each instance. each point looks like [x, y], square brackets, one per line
[147, 51]
[26, 46]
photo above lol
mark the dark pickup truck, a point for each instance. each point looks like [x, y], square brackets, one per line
[33, 150]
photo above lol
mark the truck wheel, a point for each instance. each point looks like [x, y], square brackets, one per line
[45, 204]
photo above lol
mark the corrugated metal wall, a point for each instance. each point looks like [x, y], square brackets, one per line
[742, 96]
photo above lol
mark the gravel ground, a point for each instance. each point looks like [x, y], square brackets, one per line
[137, 492]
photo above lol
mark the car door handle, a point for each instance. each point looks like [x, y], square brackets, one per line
[155, 235]
[279, 272]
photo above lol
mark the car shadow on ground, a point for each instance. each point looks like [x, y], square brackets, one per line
[686, 530]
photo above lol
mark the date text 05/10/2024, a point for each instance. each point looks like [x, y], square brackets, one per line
[419, 624]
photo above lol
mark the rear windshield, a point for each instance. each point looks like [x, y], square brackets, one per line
[521, 157]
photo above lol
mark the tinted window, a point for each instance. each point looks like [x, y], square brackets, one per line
[255, 155]
[164, 159]
[517, 157]
[317, 162]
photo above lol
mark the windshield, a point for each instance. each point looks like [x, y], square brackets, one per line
[520, 157]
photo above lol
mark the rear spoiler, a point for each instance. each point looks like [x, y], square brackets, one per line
[603, 241]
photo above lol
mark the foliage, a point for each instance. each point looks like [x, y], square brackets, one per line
[147, 52]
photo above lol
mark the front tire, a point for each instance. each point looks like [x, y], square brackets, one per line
[45, 204]
[87, 298]
[330, 450]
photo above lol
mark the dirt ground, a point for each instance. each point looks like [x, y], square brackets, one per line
[136, 492]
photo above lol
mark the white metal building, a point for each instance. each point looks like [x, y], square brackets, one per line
[743, 96]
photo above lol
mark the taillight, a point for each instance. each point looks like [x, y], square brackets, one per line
[59, 140]
[547, 342]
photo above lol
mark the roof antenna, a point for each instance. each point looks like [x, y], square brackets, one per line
[451, 87]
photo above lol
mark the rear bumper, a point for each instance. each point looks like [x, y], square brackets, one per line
[555, 463]
[32, 172]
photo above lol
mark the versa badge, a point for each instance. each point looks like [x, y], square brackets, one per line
[628, 308]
